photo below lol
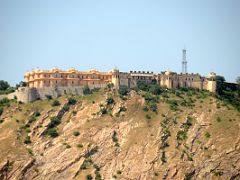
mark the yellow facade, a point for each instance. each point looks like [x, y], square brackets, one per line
[69, 78]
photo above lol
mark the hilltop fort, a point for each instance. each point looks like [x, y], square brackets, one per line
[57, 82]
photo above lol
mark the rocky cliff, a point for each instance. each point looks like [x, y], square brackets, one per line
[189, 135]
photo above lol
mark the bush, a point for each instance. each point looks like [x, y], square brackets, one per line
[32, 119]
[76, 133]
[72, 101]
[119, 172]
[37, 113]
[155, 89]
[54, 122]
[148, 116]
[89, 177]
[86, 90]
[109, 100]
[149, 97]
[103, 110]
[66, 107]
[4, 85]
[30, 151]
[122, 109]
[219, 119]
[142, 85]
[207, 135]
[145, 108]
[48, 97]
[109, 86]
[181, 135]
[27, 140]
[79, 145]
[123, 90]
[152, 106]
[1, 110]
[52, 132]
[1, 121]
[55, 103]
[114, 137]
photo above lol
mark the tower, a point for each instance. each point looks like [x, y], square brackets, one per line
[184, 61]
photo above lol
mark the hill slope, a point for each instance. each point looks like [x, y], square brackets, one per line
[191, 135]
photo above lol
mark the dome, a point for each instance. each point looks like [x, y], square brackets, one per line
[168, 72]
[55, 69]
[211, 75]
[92, 71]
[71, 70]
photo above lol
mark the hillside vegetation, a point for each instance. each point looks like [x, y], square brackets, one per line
[147, 133]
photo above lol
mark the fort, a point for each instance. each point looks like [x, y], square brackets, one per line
[57, 82]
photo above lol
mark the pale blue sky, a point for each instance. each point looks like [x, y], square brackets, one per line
[128, 34]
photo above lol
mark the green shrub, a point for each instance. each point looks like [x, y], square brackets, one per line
[114, 137]
[219, 119]
[37, 113]
[145, 108]
[163, 157]
[1, 121]
[4, 85]
[142, 85]
[1, 110]
[119, 172]
[149, 97]
[32, 119]
[86, 90]
[152, 106]
[148, 116]
[97, 175]
[55, 103]
[66, 107]
[109, 86]
[155, 89]
[74, 112]
[71, 101]
[48, 97]
[122, 109]
[123, 90]
[181, 135]
[109, 100]
[52, 132]
[54, 122]
[27, 140]
[89, 177]
[27, 130]
[30, 151]
[76, 133]
[207, 135]
[79, 145]
[103, 110]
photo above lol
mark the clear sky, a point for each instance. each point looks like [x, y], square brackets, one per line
[128, 34]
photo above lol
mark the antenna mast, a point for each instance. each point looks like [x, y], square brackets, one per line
[184, 61]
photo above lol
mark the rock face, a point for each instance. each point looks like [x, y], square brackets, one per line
[123, 144]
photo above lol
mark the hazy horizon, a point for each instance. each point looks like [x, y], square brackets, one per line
[129, 35]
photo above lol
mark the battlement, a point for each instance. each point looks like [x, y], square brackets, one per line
[57, 82]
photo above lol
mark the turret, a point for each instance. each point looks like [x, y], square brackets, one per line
[211, 82]
[115, 78]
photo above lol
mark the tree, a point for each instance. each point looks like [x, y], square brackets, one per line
[142, 85]
[123, 90]
[4, 85]
[238, 80]
[86, 90]
[220, 84]
[220, 79]
[155, 89]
